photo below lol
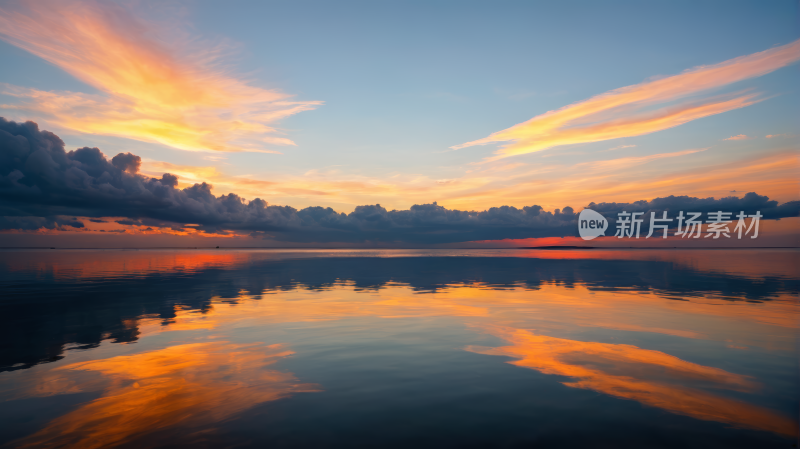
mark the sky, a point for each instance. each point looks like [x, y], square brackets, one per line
[471, 105]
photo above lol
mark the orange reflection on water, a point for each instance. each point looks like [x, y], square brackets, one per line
[111, 264]
[551, 307]
[204, 383]
[70, 264]
[650, 377]
[783, 262]
[342, 301]
[188, 385]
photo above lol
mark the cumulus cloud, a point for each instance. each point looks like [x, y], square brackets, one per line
[27, 223]
[627, 111]
[749, 203]
[44, 186]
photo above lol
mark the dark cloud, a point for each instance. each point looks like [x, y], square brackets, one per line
[34, 223]
[127, 162]
[749, 203]
[40, 179]
[129, 222]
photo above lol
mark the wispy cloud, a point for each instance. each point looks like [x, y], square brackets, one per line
[553, 185]
[587, 364]
[775, 173]
[625, 162]
[620, 147]
[621, 112]
[180, 95]
[738, 137]
[770, 136]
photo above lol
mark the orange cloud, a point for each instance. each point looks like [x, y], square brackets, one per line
[626, 162]
[150, 92]
[608, 116]
[620, 147]
[702, 172]
[774, 174]
[647, 376]
[738, 137]
[192, 385]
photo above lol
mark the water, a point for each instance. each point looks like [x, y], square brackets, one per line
[468, 348]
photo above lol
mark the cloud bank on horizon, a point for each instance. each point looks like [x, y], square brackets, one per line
[624, 112]
[44, 186]
[181, 96]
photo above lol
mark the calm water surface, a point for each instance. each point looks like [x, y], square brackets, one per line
[468, 348]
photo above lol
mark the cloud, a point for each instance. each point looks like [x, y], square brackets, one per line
[738, 137]
[195, 384]
[672, 204]
[180, 95]
[770, 136]
[621, 112]
[28, 223]
[620, 147]
[626, 162]
[773, 172]
[596, 366]
[40, 179]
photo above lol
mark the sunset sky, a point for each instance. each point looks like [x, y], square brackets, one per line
[472, 105]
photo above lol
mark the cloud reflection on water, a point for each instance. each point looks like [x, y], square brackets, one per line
[192, 385]
[650, 377]
[545, 304]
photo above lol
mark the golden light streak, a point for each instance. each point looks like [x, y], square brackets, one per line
[699, 172]
[555, 308]
[151, 92]
[618, 114]
[773, 174]
[627, 162]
